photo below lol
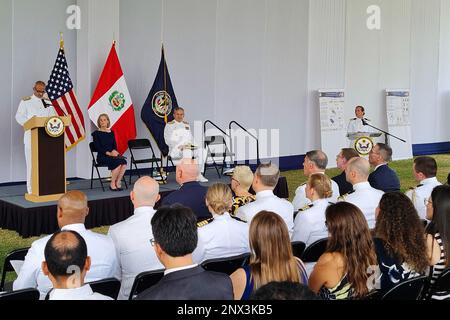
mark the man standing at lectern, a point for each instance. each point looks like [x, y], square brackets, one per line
[35, 106]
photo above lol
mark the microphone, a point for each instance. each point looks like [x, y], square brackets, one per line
[364, 121]
[46, 103]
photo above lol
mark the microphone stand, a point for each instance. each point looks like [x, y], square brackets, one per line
[365, 123]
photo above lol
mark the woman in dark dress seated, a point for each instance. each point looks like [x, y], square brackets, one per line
[105, 143]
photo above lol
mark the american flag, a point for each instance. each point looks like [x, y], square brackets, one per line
[61, 93]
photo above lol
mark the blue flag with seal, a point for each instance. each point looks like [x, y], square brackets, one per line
[159, 106]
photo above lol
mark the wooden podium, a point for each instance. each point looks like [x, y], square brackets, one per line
[48, 158]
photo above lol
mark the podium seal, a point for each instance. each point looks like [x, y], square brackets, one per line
[54, 127]
[364, 145]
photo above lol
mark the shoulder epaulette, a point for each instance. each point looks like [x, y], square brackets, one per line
[204, 222]
[353, 118]
[26, 98]
[238, 219]
[342, 198]
[171, 122]
[419, 185]
[186, 122]
[307, 207]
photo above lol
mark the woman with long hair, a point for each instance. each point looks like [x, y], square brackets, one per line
[309, 224]
[399, 240]
[271, 258]
[343, 270]
[438, 236]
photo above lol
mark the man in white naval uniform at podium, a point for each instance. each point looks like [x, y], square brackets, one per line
[35, 106]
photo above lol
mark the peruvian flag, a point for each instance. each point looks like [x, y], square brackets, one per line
[113, 98]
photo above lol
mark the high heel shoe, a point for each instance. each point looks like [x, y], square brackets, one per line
[112, 189]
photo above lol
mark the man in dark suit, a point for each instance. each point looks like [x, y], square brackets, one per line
[382, 178]
[191, 194]
[341, 160]
[175, 238]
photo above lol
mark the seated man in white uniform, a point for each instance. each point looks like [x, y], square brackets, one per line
[72, 211]
[363, 195]
[424, 170]
[178, 137]
[34, 106]
[316, 161]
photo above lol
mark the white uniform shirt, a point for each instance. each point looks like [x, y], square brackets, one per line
[422, 192]
[29, 108]
[309, 225]
[356, 125]
[266, 200]
[83, 293]
[100, 248]
[178, 134]
[223, 237]
[300, 200]
[133, 248]
[366, 199]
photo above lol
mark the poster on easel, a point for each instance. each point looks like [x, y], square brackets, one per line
[399, 122]
[332, 122]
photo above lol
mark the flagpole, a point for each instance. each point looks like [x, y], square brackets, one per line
[61, 40]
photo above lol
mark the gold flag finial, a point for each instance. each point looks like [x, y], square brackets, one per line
[61, 40]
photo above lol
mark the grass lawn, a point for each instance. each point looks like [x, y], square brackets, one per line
[10, 240]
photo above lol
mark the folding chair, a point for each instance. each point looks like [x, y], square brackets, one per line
[18, 254]
[109, 287]
[96, 166]
[298, 247]
[315, 250]
[20, 295]
[145, 280]
[410, 289]
[442, 283]
[217, 142]
[226, 265]
[142, 144]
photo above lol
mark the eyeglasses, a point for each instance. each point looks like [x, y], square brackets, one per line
[427, 202]
[40, 91]
[152, 242]
[233, 179]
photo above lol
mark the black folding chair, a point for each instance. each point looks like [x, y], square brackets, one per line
[142, 144]
[410, 289]
[298, 247]
[18, 254]
[145, 280]
[315, 250]
[20, 295]
[226, 265]
[109, 287]
[442, 283]
[219, 150]
[96, 166]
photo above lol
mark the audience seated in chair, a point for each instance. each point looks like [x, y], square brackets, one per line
[364, 196]
[382, 178]
[191, 194]
[284, 291]
[309, 224]
[438, 237]
[271, 257]
[66, 264]
[223, 235]
[342, 271]
[135, 254]
[71, 213]
[315, 161]
[241, 181]
[341, 161]
[399, 242]
[424, 171]
[175, 238]
[264, 182]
